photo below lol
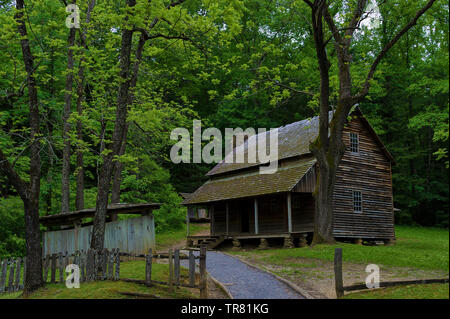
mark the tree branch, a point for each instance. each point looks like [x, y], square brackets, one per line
[383, 52]
[289, 88]
[19, 184]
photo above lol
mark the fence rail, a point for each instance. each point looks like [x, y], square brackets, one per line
[340, 288]
[93, 265]
[174, 257]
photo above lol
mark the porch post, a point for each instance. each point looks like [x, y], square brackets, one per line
[226, 216]
[211, 211]
[187, 222]
[256, 217]
[289, 212]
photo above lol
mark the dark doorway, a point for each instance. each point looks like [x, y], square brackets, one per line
[245, 224]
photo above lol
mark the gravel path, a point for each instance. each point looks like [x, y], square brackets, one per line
[245, 282]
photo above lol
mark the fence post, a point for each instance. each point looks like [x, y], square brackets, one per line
[18, 269]
[191, 268]
[24, 272]
[117, 276]
[111, 264]
[148, 267]
[11, 275]
[203, 282]
[46, 264]
[53, 269]
[338, 273]
[177, 266]
[3, 270]
[90, 265]
[82, 260]
[105, 263]
[61, 267]
[170, 270]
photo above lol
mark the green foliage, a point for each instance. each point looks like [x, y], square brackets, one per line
[12, 228]
[246, 63]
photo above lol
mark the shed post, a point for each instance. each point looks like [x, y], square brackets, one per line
[289, 212]
[256, 217]
[227, 217]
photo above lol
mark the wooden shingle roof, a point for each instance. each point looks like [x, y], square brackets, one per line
[252, 183]
[293, 140]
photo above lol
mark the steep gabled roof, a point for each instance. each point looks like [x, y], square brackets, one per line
[293, 140]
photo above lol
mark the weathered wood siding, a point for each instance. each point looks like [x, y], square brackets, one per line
[219, 213]
[368, 171]
[302, 212]
[272, 214]
[133, 235]
[308, 182]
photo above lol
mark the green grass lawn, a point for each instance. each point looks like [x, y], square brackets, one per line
[429, 291]
[416, 247]
[129, 269]
[110, 289]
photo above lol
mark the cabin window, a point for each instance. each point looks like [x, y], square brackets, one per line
[357, 202]
[354, 143]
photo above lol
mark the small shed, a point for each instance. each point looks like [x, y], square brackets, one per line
[69, 231]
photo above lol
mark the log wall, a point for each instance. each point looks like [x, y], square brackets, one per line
[368, 171]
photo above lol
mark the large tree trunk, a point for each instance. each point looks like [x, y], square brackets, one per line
[117, 177]
[328, 146]
[33, 279]
[104, 182]
[118, 166]
[49, 123]
[79, 197]
[324, 191]
[65, 175]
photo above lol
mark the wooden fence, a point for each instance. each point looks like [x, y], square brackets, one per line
[340, 288]
[174, 261]
[10, 274]
[93, 265]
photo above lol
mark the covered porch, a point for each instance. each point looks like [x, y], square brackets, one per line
[287, 215]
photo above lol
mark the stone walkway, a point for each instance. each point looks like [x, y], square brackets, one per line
[245, 282]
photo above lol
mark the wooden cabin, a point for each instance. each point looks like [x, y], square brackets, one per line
[245, 204]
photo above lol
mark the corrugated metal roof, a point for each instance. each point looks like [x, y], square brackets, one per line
[293, 140]
[252, 184]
